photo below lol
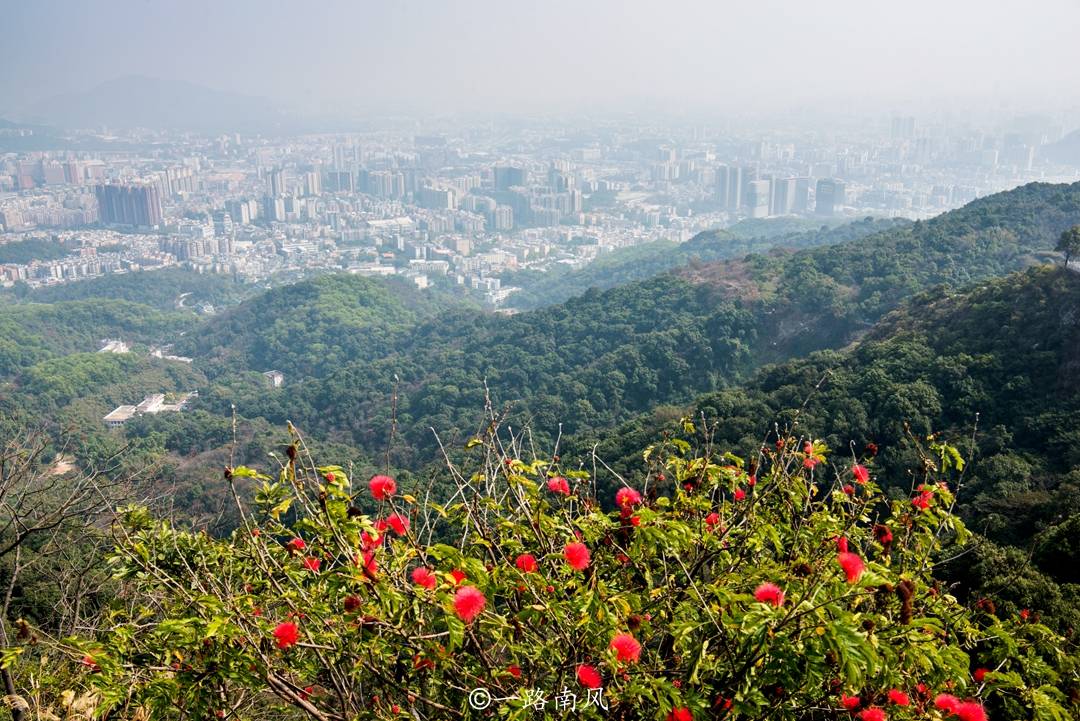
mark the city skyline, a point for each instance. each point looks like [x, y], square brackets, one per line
[345, 59]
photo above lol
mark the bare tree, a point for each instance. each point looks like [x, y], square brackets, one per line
[41, 506]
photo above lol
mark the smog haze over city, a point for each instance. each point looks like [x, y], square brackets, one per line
[612, 360]
[558, 56]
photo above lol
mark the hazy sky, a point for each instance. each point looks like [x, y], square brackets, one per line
[510, 55]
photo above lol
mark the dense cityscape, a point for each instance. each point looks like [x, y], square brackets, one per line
[465, 206]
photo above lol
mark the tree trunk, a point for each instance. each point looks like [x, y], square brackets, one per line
[9, 680]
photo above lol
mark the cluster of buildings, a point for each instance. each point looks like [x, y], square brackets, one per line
[153, 403]
[472, 206]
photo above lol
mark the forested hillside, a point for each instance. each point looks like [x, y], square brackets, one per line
[605, 356]
[313, 327]
[33, 332]
[162, 289]
[994, 370]
[645, 261]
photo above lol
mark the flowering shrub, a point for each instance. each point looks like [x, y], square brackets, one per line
[748, 592]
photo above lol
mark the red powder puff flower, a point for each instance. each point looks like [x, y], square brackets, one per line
[370, 564]
[861, 474]
[306, 693]
[559, 485]
[769, 593]
[849, 702]
[514, 670]
[811, 462]
[1025, 614]
[468, 603]
[398, 523]
[751, 480]
[871, 449]
[627, 497]
[368, 541]
[980, 674]
[626, 647]
[526, 563]
[588, 676]
[296, 545]
[286, 634]
[898, 697]
[680, 714]
[808, 447]
[922, 501]
[853, 566]
[577, 555]
[380, 525]
[739, 494]
[841, 544]
[883, 534]
[712, 520]
[970, 711]
[458, 575]
[313, 564]
[848, 489]
[382, 487]
[872, 714]
[424, 577]
[946, 702]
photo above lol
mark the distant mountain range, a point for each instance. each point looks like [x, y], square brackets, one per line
[138, 101]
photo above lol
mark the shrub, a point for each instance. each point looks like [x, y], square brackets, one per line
[810, 596]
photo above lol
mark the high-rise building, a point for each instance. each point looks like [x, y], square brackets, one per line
[736, 181]
[758, 193]
[52, 173]
[802, 195]
[783, 196]
[223, 223]
[73, 172]
[135, 205]
[273, 208]
[242, 212]
[312, 184]
[436, 198]
[903, 128]
[338, 181]
[560, 181]
[508, 176]
[503, 217]
[829, 196]
[729, 186]
[275, 183]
